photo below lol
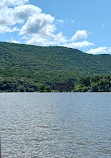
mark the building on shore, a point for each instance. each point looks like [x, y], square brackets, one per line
[65, 87]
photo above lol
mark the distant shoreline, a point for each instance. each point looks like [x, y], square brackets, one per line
[53, 92]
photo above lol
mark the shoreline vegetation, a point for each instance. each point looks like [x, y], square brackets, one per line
[95, 83]
[27, 68]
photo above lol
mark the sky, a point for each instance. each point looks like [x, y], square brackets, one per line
[80, 24]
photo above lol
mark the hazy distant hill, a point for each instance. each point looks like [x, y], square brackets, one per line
[49, 64]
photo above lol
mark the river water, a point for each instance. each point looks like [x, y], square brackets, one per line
[55, 125]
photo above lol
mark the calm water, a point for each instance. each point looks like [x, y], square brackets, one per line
[56, 125]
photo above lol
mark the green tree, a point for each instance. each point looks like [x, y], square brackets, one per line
[41, 87]
[94, 87]
[47, 89]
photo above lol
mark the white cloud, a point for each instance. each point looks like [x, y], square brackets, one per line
[82, 44]
[33, 23]
[38, 24]
[40, 41]
[6, 17]
[8, 29]
[9, 3]
[100, 50]
[80, 34]
[60, 21]
[37, 41]
[14, 41]
[16, 14]
[12, 16]
[25, 11]
[60, 38]
[7, 20]
[36, 27]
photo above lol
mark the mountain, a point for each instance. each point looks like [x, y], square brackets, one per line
[49, 64]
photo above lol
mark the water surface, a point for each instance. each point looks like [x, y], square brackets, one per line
[56, 125]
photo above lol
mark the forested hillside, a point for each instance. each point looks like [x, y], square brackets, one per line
[28, 68]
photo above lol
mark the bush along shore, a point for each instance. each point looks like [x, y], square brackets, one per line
[95, 83]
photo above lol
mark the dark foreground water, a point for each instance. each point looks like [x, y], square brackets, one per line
[56, 125]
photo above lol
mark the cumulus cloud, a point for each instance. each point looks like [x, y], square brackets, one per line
[12, 16]
[34, 26]
[37, 41]
[40, 41]
[39, 24]
[25, 11]
[100, 50]
[7, 29]
[7, 17]
[19, 12]
[80, 34]
[57, 39]
[60, 38]
[9, 3]
[82, 44]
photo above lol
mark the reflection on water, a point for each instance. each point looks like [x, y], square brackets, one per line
[56, 125]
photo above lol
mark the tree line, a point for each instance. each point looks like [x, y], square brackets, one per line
[95, 83]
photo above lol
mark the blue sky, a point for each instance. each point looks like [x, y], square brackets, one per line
[85, 25]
